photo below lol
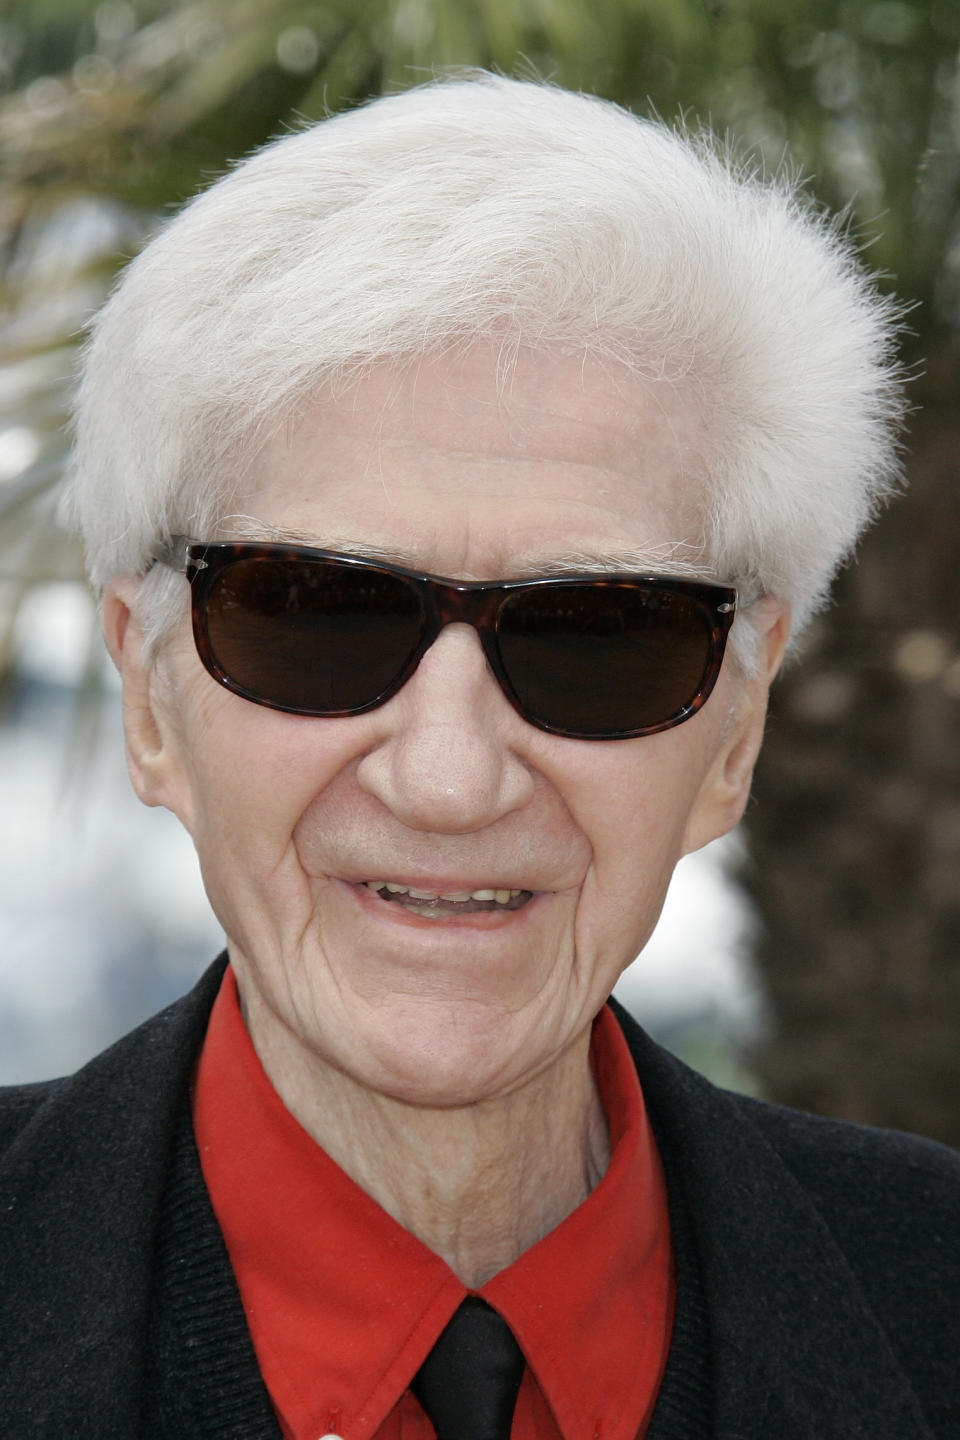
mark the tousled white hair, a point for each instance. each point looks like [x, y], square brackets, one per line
[483, 208]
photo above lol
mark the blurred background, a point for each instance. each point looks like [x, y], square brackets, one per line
[815, 957]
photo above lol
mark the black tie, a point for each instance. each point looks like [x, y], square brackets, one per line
[468, 1383]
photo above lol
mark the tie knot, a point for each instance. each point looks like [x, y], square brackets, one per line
[468, 1383]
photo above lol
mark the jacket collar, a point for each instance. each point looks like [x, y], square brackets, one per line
[797, 1353]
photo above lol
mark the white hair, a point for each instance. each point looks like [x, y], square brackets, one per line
[483, 208]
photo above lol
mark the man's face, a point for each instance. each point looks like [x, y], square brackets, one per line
[445, 789]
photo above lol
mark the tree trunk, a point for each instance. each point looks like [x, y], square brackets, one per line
[855, 828]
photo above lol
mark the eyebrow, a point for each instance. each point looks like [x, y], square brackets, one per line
[653, 560]
[673, 558]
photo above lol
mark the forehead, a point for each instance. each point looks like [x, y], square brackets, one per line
[459, 466]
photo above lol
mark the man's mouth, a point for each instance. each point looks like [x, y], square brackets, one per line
[435, 905]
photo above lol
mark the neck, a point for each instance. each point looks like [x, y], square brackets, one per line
[478, 1184]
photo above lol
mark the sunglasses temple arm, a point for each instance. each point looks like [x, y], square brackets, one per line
[175, 554]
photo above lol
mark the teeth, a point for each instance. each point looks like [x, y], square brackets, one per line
[500, 896]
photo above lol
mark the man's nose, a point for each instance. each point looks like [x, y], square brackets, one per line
[448, 761]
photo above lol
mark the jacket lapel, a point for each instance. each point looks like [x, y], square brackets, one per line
[797, 1352]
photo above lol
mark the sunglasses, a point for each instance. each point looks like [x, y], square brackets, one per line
[592, 657]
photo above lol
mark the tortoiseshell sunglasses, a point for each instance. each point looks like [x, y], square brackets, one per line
[592, 656]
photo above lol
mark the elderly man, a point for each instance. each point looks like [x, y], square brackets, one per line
[455, 473]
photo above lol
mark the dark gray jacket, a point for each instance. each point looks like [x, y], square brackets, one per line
[827, 1257]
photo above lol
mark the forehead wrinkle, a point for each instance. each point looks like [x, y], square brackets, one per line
[534, 427]
[678, 558]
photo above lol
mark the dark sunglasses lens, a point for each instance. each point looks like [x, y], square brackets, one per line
[316, 637]
[602, 659]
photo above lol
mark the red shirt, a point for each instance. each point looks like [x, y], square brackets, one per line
[344, 1304]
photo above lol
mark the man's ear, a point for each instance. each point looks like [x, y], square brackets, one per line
[150, 742]
[725, 791]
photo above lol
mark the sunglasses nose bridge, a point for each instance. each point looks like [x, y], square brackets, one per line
[465, 604]
[468, 603]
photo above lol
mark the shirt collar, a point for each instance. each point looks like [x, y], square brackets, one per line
[344, 1304]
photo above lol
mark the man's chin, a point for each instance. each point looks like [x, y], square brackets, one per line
[444, 1054]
